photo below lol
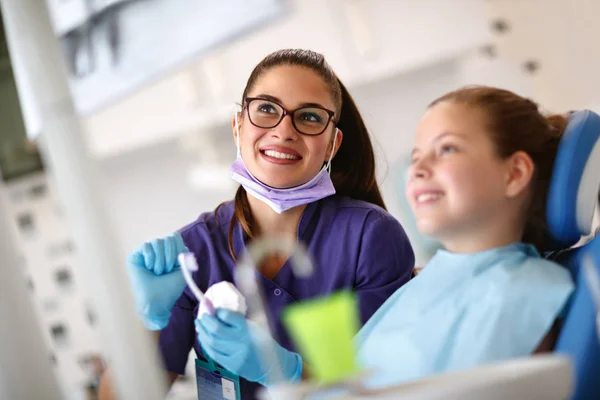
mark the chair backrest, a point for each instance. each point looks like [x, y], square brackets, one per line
[572, 200]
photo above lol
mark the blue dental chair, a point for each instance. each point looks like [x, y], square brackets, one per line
[571, 202]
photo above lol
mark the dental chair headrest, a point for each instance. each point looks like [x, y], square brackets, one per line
[575, 183]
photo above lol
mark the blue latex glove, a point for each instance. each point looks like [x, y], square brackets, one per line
[227, 339]
[156, 279]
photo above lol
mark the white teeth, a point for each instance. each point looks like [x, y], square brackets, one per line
[276, 154]
[428, 196]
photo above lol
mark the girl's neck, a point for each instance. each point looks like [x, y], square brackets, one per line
[476, 240]
[477, 246]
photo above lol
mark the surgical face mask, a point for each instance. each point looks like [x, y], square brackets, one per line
[281, 200]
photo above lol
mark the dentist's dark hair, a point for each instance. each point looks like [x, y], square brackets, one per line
[516, 124]
[353, 167]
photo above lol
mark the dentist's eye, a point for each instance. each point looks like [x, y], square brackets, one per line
[310, 117]
[267, 108]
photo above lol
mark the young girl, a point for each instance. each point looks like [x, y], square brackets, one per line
[481, 166]
[296, 125]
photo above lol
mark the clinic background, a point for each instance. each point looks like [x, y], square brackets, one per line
[163, 151]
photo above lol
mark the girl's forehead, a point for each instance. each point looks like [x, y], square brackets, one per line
[451, 118]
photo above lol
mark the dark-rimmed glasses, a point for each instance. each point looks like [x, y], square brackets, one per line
[267, 114]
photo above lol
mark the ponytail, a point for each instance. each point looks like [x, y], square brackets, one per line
[241, 213]
[353, 168]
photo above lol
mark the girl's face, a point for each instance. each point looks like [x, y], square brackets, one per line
[282, 157]
[459, 187]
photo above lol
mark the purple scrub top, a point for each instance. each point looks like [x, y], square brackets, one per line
[354, 245]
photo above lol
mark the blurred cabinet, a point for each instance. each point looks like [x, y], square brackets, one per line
[50, 267]
[392, 37]
[364, 40]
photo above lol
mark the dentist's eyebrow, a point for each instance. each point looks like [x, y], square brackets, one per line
[277, 100]
[268, 97]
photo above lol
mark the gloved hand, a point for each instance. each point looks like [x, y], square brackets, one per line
[156, 279]
[227, 338]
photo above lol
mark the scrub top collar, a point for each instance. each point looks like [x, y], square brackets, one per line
[239, 237]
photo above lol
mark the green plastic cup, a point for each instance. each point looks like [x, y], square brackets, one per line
[323, 330]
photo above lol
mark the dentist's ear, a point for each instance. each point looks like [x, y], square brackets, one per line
[334, 145]
[236, 121]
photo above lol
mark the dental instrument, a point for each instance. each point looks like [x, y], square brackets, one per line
[188, 264]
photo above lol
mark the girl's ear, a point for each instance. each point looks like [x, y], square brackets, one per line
[520, 173]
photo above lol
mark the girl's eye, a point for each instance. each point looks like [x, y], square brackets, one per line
[447, 148]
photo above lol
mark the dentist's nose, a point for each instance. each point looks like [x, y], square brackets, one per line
[285, 130]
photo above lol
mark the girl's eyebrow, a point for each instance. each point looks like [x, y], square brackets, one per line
[438, 138]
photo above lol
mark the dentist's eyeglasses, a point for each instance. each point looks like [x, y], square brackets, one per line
[267, 114]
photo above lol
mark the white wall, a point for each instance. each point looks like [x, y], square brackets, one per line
[148, 195]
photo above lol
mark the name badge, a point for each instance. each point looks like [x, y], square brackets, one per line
[214, 382]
